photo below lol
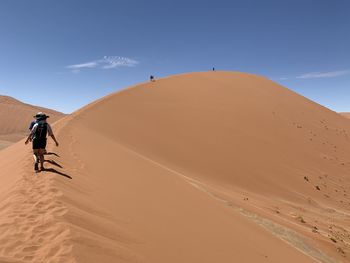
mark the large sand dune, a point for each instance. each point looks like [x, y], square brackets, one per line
[202, 167]
[346, 114]
[15, 117]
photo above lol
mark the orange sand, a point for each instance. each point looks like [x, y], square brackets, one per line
[201, 167]
[15, 118]
[346, 114]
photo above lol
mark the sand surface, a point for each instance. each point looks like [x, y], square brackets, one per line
[15, 118]
[4, 144]
[202, 167]
[346, 114]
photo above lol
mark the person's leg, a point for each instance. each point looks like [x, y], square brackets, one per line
[35, 157]
[41, 157]
[36, 160]
[35, 154]
[41, 151]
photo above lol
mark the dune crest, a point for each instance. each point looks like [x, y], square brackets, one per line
[200, 167]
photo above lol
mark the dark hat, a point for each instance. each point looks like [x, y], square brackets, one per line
[41, 116]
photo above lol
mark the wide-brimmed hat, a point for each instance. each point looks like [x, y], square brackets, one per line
[41, 116]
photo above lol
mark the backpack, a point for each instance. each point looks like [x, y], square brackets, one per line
[32, 125]
[41, 131]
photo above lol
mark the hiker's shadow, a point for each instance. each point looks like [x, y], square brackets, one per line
[52, 170]
[54, 163]
[52, 153]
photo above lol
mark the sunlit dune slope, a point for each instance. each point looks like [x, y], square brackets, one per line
[200, 167]
[232, 135]
[231, 128]
[346, 114]
[15, 117]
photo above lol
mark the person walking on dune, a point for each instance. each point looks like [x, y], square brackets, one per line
[38, 136]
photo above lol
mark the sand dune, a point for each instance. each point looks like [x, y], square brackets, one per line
[4, 144]
[201, 167]
[15, 117]
[346, 114]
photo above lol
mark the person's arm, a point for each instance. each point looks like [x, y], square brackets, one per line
[51, 134]
[53, 137]
[30, 136]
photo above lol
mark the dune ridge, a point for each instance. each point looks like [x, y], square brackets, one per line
[201, 167]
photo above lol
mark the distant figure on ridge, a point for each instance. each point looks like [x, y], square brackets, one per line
[151, 78]
[213, 69]
[38, 137]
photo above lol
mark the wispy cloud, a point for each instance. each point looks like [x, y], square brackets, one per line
[113, 62]
[107, 62]
[330, 74]
[92, 64]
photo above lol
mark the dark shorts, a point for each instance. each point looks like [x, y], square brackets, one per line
[39, 144]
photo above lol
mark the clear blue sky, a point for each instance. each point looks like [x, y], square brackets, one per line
[64, 54]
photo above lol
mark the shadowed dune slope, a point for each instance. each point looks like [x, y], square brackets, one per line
[201, 167]
[15, 117]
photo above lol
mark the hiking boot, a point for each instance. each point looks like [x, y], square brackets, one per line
[36, 167]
